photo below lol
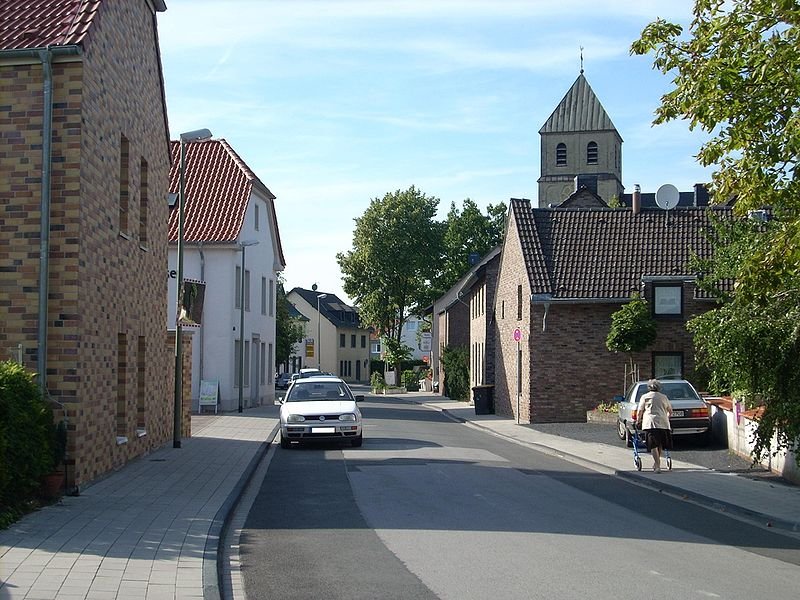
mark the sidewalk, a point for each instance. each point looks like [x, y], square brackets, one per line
[149, 530]
[760, 502]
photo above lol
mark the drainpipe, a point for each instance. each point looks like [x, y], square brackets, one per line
[200, 333]
[44, 245]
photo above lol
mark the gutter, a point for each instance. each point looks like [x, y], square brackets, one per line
[45, 56]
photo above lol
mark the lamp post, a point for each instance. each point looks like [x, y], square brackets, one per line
[319, 329]
[242, 245]
[188, 137]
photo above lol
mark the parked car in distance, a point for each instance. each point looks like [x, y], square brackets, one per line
[282, 381]
[691, 415]
[320, 408]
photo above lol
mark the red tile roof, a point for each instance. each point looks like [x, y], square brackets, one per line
[41, 23]
[218, 185]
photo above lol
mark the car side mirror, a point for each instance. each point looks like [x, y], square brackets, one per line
[359, 398]
[619, 398]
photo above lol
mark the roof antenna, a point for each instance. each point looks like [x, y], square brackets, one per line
[581, 60]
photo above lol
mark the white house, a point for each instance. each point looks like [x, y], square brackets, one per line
[230, 232]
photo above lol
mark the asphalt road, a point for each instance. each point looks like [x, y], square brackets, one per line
[431, 508]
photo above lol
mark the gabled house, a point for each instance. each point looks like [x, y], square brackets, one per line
[563, 272]
[337, 343]
[85, 162]
[462, 317]
[230, 233]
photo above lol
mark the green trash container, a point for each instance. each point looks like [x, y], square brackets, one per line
[483, 397]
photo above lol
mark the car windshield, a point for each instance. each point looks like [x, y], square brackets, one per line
[674, 390]
[318, 390]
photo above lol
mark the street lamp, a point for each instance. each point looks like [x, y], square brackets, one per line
[242, 245]
[188, 137]
[319, 337]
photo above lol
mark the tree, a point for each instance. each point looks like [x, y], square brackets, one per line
[288, 329]
[632, 330]
[735, 77]
[397, 246]
[469, 231]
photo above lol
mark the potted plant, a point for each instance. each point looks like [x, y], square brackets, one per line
[377, 382]
[53, 482]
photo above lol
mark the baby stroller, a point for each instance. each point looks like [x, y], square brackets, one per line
[638, 443]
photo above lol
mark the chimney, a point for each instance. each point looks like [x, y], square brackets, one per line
[636, 203]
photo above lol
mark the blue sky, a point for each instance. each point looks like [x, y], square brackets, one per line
[335, 102]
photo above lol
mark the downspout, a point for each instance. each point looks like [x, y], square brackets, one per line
[202, 278]
[44, 245]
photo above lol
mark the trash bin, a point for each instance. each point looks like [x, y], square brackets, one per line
[483, 396]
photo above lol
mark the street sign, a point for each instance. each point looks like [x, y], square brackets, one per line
[425, 359]
[517, 334]
[425, 341]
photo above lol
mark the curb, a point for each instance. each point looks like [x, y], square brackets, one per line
[212, 553]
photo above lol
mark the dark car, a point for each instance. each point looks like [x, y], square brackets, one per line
[282, 381]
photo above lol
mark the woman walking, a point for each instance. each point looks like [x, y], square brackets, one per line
[652, 416]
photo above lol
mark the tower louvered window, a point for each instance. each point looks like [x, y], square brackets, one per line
[561, 155]
[591, 153]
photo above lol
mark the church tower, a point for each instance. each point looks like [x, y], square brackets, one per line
[580, 147]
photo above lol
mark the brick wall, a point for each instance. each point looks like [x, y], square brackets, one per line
[106, 289]
[511, 274]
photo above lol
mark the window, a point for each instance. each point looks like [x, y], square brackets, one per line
[247, 290]
[363, 341]
[667, 363]
[561, 155]
[122, 374]
[591, 153]
[263, 365]
[668, 299]
[237, 344]
[271, 299]
[375, 347]
[124, 191]
[519, 303]
[502, 309]
[141, 381]
[238, 293]
[246, 375]
[264, 295]
[353, 340]
[143, 199]
[342, 340]
[411, 325]
[255, 210]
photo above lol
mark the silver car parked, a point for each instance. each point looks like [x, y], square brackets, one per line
[691, 415]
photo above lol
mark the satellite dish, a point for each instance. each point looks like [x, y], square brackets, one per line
[667, 196]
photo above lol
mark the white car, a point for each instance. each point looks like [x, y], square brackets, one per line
[320, 408]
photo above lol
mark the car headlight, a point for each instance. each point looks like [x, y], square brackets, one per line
[295, 419]
[347, 417]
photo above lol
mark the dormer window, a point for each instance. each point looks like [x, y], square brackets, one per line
[591, 153]
[561, 155]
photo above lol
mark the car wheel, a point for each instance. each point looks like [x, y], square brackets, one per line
[285, 443]
[622, 431]
[357, 441]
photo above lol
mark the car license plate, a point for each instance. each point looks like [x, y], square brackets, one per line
[677, 413]
[323, 430]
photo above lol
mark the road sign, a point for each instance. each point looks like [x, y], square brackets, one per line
[425, 341]
[517, 334]
[425, 359]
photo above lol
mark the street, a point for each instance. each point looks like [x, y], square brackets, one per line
[431, 508]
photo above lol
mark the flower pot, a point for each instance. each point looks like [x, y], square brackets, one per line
[52, 485]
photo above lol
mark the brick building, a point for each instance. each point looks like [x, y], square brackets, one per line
[563, 272]
[84, 169]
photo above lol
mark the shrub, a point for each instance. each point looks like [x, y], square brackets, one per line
[455, 360]
[26, 438]
[376, 381]
[411, 381]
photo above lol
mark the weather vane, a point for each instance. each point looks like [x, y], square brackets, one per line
[581, 60]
